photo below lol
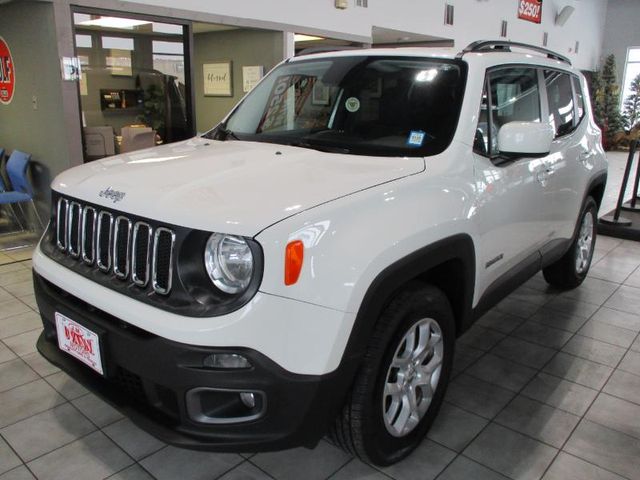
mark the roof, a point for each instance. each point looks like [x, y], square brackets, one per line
[482, 58]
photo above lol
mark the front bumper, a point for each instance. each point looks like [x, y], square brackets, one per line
[147, 377]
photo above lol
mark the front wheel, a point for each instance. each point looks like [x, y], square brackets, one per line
[400, 387]
[571, 270]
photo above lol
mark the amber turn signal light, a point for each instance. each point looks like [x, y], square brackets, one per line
[293, 258]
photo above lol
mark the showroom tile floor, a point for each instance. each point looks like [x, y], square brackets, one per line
[546, 385]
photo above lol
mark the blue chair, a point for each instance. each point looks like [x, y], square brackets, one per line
[22, 191]
[2, 187]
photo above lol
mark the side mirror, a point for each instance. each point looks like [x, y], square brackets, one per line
[525, 139]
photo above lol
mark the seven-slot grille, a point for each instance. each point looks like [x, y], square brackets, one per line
[113, 243]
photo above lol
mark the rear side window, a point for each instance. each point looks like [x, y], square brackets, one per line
[577, 88]
[510, 95]
[560, 97]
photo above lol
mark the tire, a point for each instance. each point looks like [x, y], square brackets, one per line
[361, 428]
[571, 270]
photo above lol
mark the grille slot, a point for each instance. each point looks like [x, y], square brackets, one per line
[163, 242]
[141, 245]
[73, 229]
[62, 214]
[89, 220]
[103, 241]
[116, 244]
[122, 236]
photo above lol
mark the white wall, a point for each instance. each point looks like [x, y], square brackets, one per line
[622, 31]
[474, 19]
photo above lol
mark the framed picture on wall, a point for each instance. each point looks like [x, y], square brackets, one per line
[217, 79]
[119, 63]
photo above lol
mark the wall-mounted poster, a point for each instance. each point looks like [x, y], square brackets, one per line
[217, 79]
[251, 76]
[71, 69]
[7, 74]
[530, 10]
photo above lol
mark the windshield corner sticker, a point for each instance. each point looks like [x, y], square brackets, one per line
[416, 138]
[352, 104]
[111, 194]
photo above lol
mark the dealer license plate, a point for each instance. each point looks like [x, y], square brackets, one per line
[79, 342]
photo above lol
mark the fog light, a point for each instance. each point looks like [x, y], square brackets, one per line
[226, 361]
[249, 399]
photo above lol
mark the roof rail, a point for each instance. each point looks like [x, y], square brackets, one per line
[505, 46]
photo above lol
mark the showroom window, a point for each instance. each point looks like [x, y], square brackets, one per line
[631, 71]
[560, 98]
[512, 95]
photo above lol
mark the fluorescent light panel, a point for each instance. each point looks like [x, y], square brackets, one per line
[298, 37]
[114, 22]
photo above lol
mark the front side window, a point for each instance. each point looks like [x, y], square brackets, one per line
[510, 95]
[374, 105]
[560, 98]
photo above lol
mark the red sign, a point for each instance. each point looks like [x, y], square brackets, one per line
[7, 74]
[530, 10]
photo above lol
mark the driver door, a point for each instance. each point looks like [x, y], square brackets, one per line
[511, 191]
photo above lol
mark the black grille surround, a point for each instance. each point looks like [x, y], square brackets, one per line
[153, 262]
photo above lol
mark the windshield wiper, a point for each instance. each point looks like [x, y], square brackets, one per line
[319, 147]
[223, 133]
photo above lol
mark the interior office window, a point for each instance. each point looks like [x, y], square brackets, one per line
[133, 74]
[84, 41]
[577, 88]
[117, 43]
[560, 97]
[166, 28]
[513, 95]
[168, 58]
[631, 71]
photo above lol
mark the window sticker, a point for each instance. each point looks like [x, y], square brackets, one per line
[416, 138]
[352, 104]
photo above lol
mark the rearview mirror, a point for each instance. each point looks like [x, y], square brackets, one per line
[525, 139]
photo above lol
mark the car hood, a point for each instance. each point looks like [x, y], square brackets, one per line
[232, 187]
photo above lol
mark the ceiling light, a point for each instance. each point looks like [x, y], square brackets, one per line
[298, 37]
[114, 22]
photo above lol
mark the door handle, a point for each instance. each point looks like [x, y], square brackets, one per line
[542, 176]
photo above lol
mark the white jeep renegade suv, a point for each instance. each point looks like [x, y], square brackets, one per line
[305, 267]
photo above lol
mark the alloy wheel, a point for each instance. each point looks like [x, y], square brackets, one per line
[412, 377]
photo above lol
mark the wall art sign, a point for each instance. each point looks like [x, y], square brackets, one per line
[530, 10]
[7, 74]
[217, 79]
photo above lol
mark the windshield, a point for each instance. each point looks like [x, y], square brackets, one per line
[373, 105]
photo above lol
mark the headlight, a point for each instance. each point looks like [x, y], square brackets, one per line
[229, 262]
